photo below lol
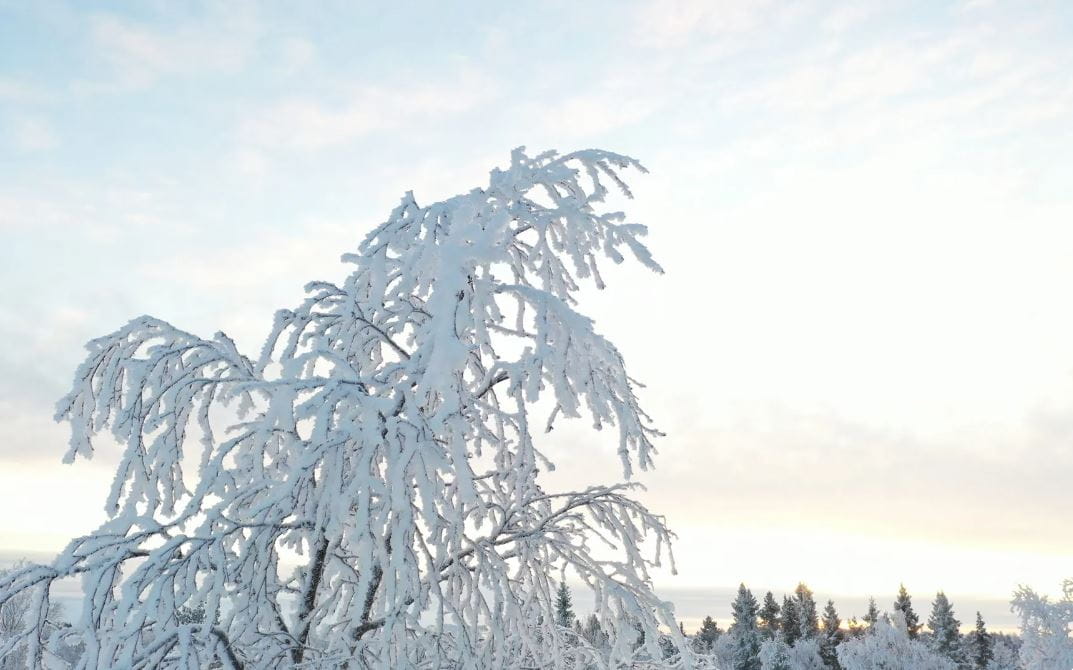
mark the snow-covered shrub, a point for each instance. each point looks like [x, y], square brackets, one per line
[887, 646]
[804, 654]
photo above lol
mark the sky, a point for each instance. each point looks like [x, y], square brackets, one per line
[861, 351]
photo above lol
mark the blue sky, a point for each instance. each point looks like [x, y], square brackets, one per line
[862, 349]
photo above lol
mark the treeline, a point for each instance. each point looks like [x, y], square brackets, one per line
[796, 634]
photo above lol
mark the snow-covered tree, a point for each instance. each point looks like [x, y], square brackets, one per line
[807, 616]
[743, 634]
[1045, 639]
[790, 623]
[594, 633]
[979, 645]
[705, 639]
[872, 615]
[805, 655]
[769, 615]
[830, 636]
[889, 647]
[564, 608]
[904, 604]
[15, 615]
[775, 654]
[945, 629]
[383, 438]
[1003, 657]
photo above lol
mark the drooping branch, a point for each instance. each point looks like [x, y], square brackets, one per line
[384, 429]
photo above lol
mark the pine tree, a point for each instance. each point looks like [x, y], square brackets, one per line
[946, 640]
[769, 616]
[791, 626]
[707, 635]
[808, 619]
[904, 604]
[746, 634]
[564, 610]
[872, 615]
[832, 636]
[980, 645]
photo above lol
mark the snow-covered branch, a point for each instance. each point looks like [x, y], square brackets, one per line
[382, 440]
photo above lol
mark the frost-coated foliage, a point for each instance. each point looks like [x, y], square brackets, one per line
[945, 637]
[888, 646]
[1045, 639]
[1003, 657]
[382, 440]
[804, 654]
[775, 654]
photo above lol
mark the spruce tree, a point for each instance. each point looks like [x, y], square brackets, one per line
[872, 615]
[746, 634]
[832, 636]
[709, 632]
[769, 616]
[946, 639]
[791, 626]
[564, 610]
[808, 618]
[980, 645]
[904, 604]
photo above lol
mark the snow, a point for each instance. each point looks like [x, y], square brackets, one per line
[383, 434]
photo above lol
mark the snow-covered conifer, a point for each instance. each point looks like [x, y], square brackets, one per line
[872, 615]
[831, 636]
[807, 616]
[384, 439]
[904, 604]
[769, 616]
[705, 639]
[979, 643]
[945, 629]
[594, 633]
[744, 633]
[790, 623]
[564, 610]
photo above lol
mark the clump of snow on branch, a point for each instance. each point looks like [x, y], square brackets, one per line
[383, 439]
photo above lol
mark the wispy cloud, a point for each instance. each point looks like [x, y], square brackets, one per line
[19, 91]
[32, 134]
[310, 123]
[669, 24]
[141, 53]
